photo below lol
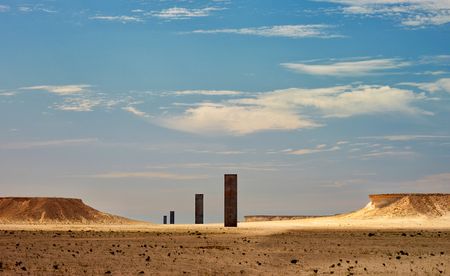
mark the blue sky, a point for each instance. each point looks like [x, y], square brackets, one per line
[135, 106]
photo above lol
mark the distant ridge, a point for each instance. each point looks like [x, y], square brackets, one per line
[53, 210]
[403, 205]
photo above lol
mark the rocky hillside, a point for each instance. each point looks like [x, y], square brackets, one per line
[49, 210]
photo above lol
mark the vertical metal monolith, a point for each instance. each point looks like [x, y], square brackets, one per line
[164, 219]
[198, 208]
[230, 217]
[172, 217]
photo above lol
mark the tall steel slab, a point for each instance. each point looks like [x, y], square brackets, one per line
[198, 208]
[230, 200]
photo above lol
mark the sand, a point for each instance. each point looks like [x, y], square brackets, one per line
[387, 237]
[213, 250]
[320, 246]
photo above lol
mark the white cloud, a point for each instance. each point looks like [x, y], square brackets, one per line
[342, 101]
[237, 120]
[60, 89]
[347, 68]
[283, 109]
[432, 87]
[184, 13]
[118, 18]
[208, 92]
[290, 31]
[4, 8]
[149, 175]
[411, 13]
[135, 111]
[317, 149]
[49, 143]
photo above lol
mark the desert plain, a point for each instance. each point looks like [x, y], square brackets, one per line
[218, 251]
[358, 243]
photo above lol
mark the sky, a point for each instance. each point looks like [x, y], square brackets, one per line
[137, 105]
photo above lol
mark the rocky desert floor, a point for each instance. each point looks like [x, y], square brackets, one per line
[219, 251]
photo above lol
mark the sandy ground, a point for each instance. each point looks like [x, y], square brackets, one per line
[340, 222]
[304, 247]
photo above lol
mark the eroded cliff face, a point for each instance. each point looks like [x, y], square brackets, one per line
[382, 200]
[53, 210]
[405, 205]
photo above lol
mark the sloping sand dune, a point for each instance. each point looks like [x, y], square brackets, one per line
[47, 210]
[384, 206]
[404, 205]
[384, 211]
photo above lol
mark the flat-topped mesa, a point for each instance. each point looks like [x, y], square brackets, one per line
[53, 210]
[405, 205]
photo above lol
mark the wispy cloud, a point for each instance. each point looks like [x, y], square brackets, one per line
[149, 175]
[337, 184]
[290, 31]
[441, 85]
[48, 143]
[347, 68]
[283, 109]
[435, 59]
[35, 8]
[60, 89]
[410, 13]
[8, 94]
[117, 18]
[79, 97]
[4, 8]
[219, 152]
[25, 9]
[341, 101]
[183, 13]
[242, 166]
[389, 154]
[207, 92]
[136, 111]
[407, 137]
[432, 73]
[435, 182]
[317, 149]
[87, 103]
[78, 104]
